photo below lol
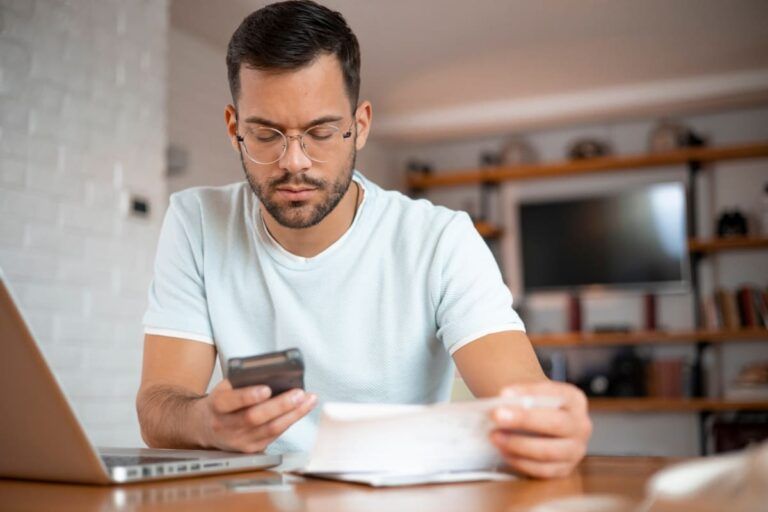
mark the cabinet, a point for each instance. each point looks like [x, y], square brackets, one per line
[693, 159]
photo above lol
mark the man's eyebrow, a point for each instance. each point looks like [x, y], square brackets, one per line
[272, 124]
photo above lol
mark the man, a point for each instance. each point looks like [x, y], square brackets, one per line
[378, 291]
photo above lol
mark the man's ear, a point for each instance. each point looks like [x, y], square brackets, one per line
[363, 117]
[230, 117]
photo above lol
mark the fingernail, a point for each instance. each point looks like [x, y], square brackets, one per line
[297, 397]
[528, 402]
[509, 392]
[505, 415]
[311, 399]
[260, 392]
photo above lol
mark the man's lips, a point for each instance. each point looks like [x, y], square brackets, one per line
[296, 194]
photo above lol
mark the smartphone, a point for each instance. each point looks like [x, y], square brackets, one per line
[281, 371]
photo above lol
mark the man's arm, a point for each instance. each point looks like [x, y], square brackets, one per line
[492, 362]
[175, 412]
[542, 443]
[174, 378]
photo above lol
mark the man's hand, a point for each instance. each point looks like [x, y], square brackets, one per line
[247, 419]
[540, 442]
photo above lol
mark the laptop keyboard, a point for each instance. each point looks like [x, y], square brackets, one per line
[135, 460]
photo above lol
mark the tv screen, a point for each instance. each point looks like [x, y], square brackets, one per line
[634, 238]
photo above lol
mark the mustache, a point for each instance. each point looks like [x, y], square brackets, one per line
[296, 179]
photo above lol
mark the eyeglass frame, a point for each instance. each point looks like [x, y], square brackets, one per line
[287, 141]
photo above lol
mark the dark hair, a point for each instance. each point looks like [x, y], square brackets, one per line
[290, 35]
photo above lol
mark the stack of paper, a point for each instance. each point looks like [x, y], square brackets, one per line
[382, 444]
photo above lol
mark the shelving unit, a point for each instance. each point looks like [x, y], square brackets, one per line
[594, 165]
[490, 176]
[726, 244]
[693, 158]
[577, 339]
[706, 405]
[488, 230]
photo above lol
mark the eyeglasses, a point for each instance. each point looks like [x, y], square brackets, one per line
[265, 145]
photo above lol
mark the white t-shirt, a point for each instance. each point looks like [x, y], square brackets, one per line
[377, 315]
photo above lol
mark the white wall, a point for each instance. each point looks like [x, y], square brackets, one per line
[738, 183]
[82, 122]
[376, 163]
[197, 94]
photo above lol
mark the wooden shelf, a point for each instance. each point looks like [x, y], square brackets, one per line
[651, 404]
[695, 245]
[488, 230]
[594, 165]
[578, 339]
[726, 244]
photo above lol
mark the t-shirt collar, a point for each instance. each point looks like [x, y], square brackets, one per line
[288, 256]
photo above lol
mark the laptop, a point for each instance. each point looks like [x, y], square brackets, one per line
[42, 439]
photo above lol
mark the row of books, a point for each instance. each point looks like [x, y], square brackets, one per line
[744, 307]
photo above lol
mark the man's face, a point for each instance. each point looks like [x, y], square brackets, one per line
[296, 191]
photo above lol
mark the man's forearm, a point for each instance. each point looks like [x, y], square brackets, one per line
[496, 360]
[170, 417]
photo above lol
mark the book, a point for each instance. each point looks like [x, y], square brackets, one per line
[747, 316]
[709, 313]
[761, 308]
[665, 378]
[726, 308]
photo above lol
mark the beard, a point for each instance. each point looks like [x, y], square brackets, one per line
[302, 214]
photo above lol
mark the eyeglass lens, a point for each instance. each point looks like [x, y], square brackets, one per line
[267, 145]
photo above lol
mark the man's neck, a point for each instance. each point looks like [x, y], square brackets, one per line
[309, 242]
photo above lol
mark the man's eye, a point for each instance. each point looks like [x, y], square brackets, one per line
[266, 136]
[321, 132]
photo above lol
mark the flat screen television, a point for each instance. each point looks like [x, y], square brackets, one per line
[633, 238]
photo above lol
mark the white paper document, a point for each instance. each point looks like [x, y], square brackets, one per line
[406, 444]
[388, 479]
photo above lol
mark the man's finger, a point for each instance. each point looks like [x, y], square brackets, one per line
[540, 449]
[544, 422]
[573, 397]
[265, 412]
[277, 426]
[223, 385]
[538, 469]
[226, 400]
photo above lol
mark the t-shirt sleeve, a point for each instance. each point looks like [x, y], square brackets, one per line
[472, 299]
[177, 300]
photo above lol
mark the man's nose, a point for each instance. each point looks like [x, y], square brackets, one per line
[295, 160]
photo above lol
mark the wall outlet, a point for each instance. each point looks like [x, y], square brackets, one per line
[136, 205]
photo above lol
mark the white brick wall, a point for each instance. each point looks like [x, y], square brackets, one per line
[82, 122]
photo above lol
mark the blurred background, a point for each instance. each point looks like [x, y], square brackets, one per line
[107, 107]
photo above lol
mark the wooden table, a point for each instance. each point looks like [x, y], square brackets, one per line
[624, 476]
